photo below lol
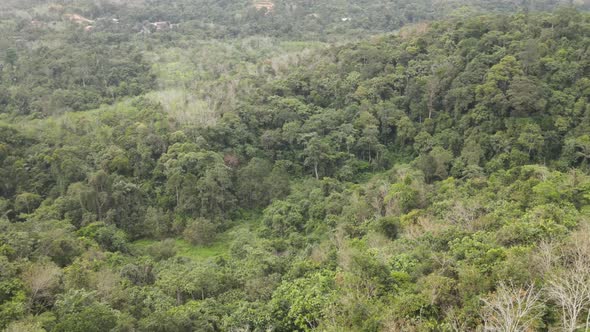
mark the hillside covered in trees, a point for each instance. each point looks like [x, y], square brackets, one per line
[419, 166]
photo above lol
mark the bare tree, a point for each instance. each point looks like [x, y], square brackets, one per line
[512, 309]
[570, 290]
[569, 286]
[455, 321]
[42, 280]
[544, 260]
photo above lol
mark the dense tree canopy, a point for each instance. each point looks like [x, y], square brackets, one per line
[238, 173]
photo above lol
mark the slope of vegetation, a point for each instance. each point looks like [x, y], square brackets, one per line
[428, 180]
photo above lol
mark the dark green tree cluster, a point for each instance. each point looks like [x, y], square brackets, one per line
[466, 97]
[80, 74]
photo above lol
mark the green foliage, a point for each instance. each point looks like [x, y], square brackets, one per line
[385, 184]
[107, 236]
[163, 250]
[27, 202]
[299, 304]
[283, 217]
[389, 226]
[200, 232]
[96, 317]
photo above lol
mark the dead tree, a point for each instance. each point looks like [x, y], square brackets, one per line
[511, 309]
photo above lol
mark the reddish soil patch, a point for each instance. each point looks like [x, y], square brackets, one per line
[414, 30]
[268, 5]
[78, 19]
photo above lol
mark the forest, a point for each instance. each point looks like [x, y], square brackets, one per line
[392, 165]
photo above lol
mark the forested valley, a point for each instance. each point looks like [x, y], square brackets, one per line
[300, 165]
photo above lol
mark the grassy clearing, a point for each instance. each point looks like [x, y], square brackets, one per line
[185, 107]
[220, 247]
[184, 249]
